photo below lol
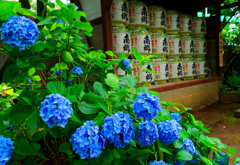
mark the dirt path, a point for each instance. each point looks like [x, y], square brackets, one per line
[219, 117]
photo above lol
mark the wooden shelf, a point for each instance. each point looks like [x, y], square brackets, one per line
[182, 84]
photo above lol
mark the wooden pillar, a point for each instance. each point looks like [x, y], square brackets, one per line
[107, 24]
[218, 30]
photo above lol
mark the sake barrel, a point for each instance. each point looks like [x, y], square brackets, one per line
[138, 15]
[189, 68]
[199, 26]
[200, 47]
[174, 46]
[161, 67]
[173, 22]
[159, 43]
[175, 69]
[121, 40]
[136, 67]
[120, 71]
[119, 12]
[141, 41]
[147, 76]
[186, 25]
[188, 46]
[157, 19]
[201, 67]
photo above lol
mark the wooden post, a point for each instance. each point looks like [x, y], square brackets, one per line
[218, 31]
[107, 24]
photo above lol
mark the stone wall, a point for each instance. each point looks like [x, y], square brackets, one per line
[194, 96]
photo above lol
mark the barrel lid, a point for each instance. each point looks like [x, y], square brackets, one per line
[186, 15]
[172, 11]
[120, 29]
[156, 8]
[189, 37]
[159, 34]
[140, 32]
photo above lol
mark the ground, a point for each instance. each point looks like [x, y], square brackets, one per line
[220, 118]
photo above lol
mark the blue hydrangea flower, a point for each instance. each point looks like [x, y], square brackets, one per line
[158, 163]
[176, 116]
[58, 72]
[176, 162]
[238, 163]
[6, 146]
[87, 141]
[224, 161]
[125, 64]
[69, 83]
[238, 74]
[30, 81]
[77, 70]
[11, 127]
[147, 133]
[60, 21]
[56, 109]
[118, 129]
[122, 85]
[196, 160]
[19, 31]
[188, 146]
[146, 106]
[169, 131]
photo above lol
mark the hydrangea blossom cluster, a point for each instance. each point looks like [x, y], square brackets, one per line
[59, 21]
[56, 109]
[176, 162]
[238, 163]
[147, 133]
[158, 163]
[188, 146]
[58, 72]
[146, 106]
[224, 160]
[125, 64]
[196, 160]
[176, 116]
[77, 70]
[5, 149]
[19, 31]
[88, 141]
[169, 131]
[118, 129]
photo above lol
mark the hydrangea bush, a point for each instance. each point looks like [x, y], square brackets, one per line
[61, 102]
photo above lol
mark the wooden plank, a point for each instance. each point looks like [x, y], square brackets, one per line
[96, 21]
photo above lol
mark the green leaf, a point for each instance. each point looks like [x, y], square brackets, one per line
[67, 57]
[140, 152]
[91, 97]
[110, 53]
[232, 150]
[129, 81]
[38, 46]
[23, 148]
[120, 104]
[238, 159]
[86, 26]
[178, 144]
[184, 155]
[205, 160]
[56, 87]
[22, 63]
[166, 150]
[51, 5]
[142, 89]
[112, 80]
[116, 154]
[33, 120]
[88, 109]
[31, 71]
[30, 161]
[100, 90]
[137, 55]
[104, 107]
[75, 118]
[28, 98]
[64, 147]
[61, 4]
[107, 156]
[55, 132]
[36, 78]
[45, 22]
[147, 70]
[98, 120]
[217, 156]
[8, 9]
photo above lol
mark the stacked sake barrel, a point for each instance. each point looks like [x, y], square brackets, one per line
[199, 31]
[120, 33]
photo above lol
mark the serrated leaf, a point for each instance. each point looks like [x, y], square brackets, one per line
[112, 80]
[98, 120]
[184, 155]
[64, 147]
[104, 108]
[129, 81]
[88, 109]
[56, 87]
[100, 90]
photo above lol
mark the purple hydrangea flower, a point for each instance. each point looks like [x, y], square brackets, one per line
[87, 141]
[176, 116]
[118, 129]
[125, 64]
[188, 146]
[56, 110]
[147, 133]
[19, 31]
[224, 160]
[169, 131]
[146, 106]
[158, 163]
[6, 149]
[77, 70]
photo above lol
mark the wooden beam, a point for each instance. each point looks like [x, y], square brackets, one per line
[107, 25]
[230, 5]
[218, 30]
[96, 21]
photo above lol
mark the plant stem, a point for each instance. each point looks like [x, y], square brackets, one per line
[160, 152]
[59, 61]
[49, 148]
[42, 79]
[52, 76]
